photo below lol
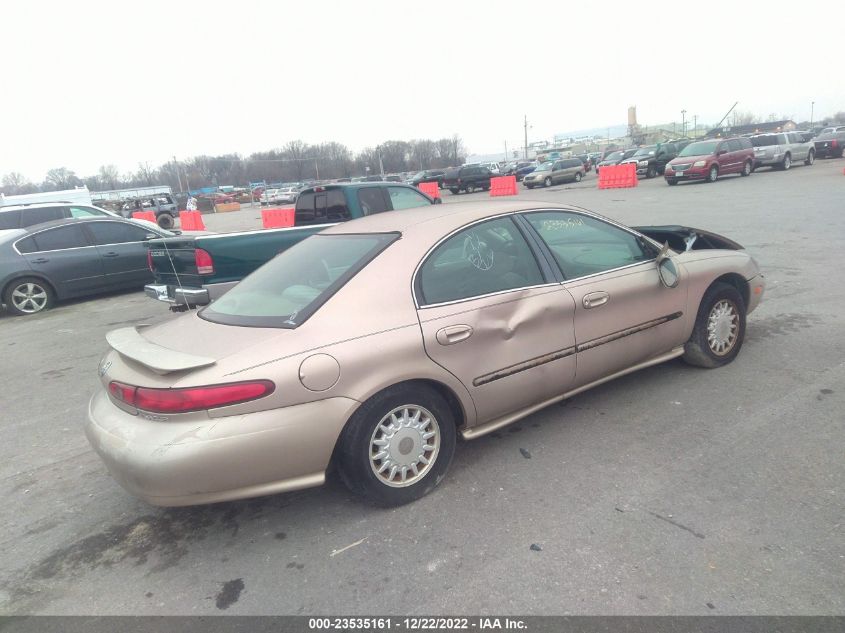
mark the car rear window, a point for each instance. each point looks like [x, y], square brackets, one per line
[764, 140]
[288, 289]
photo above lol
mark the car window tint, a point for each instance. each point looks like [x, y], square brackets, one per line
[734, 145]
[26, 245]
[116, 232]
[86, 212]
[305, 208]
[336, 209]
[489, 257]
[70, 236]
[30, 217]
[406, 198]
[10, 220]
[371, 200]
[582, 245]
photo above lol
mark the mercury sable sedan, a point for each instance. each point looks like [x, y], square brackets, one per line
[372, 345]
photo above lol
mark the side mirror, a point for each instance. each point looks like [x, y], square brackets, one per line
[666, 268]
[150, 236]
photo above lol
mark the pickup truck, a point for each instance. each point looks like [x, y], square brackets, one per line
[831, 143]
[191, 271]
[651, 160]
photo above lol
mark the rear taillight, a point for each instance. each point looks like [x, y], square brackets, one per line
[204, 262]
[150, 264]
[190, 398]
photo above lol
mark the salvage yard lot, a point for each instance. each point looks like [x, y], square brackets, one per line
[674, 490]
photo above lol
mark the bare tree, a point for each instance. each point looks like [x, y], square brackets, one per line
[742, 118]
[15, 183]
[61, 178]
[109, 177]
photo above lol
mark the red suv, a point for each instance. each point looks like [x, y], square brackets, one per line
[707, 160]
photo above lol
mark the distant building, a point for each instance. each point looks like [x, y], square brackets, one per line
[752, 128]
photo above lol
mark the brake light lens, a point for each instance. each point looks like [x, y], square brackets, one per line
[204, 262]
[190, 398]
[150, 264]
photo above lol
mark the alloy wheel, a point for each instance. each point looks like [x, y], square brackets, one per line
[404, 446]
[29, 297]
[722, 327]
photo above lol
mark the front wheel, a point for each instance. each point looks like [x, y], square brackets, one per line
[28, 295]
[787, 162]
[469, 188]
[811, 158]
[547, 182]
[530, 186]
[719, 328]
[713, 174]
[746, 169]
[651, 172]
[398, 445]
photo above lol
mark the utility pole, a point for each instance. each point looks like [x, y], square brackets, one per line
[683, 122]
[526, 137]
[506, 151]
[179, 177]
[695, 124]
[812, 107]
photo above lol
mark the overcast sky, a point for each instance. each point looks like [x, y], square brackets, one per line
[91, 83]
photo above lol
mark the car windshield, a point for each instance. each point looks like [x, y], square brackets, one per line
[646, 151]
[547, 166]
[292, 286]
[703, 148]
[419, 174]
[614, 156]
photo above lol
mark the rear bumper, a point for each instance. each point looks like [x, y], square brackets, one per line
[176, 463]
[191, 297]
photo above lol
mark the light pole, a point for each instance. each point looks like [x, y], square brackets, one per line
[525, 125]
[812, 107]
[683, 123]
[694, 124]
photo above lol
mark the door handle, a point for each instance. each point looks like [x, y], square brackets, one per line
[453, 334]
[596, 299]
[40, 260]
[110, 254]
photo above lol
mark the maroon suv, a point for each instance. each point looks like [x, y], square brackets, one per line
[707, 160]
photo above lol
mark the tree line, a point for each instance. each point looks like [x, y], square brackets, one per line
[294, 162]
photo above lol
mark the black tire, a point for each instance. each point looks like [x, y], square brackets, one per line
[356, 461]
[530, 186]
[41, 296]
[578, 177]
[547, 182]
[811, 158]
[651, 171]
[469, 188]
[713, 174]
[455, 191]
[747, 168]
[486, 187]
[698, 350]
[672, 181]
[165, 221]
[786, 163]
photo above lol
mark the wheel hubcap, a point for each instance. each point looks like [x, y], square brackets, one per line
[404, 446]
[722, 327]
[29, 298]
[787, 162]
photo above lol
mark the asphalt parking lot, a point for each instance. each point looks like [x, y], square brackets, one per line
[674, 490]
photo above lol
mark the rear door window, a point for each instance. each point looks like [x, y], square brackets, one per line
[60, 238]
[734, 145]
[336, 209]
[305, 208]
[85, 212]
[372, 200]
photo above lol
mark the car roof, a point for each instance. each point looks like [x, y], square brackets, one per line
[433, 222]
[52, 223]
[41, 205]
[358, 185]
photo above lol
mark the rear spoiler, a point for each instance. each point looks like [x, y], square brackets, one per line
[128, 342]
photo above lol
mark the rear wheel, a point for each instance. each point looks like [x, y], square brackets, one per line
[746, 169]
[28, 295]
[165, 221]
[469, 188]
[455, 191]
[719, 328]
[398, 445]
[811, 158]
[787, 162]
[578, 177]
[713, 174]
